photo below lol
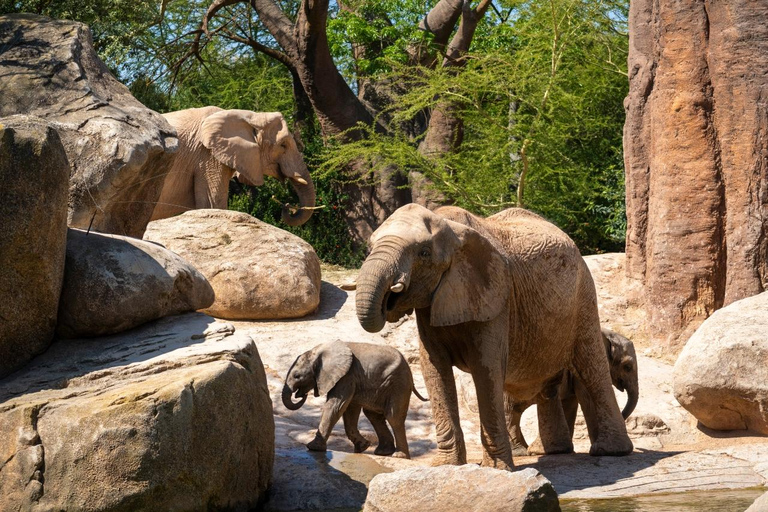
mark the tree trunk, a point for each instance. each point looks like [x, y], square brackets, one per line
[696, 159]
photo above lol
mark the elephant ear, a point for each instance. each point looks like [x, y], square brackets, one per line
[233, 137]
[332, 362]
[476, 286]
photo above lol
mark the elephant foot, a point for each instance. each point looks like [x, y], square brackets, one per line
[361, 445]
[537, 448]
[401, 455]
[613, 447]
[384, 450]
[519, 451]
[448, 459]
[497, 463]
[317, 444]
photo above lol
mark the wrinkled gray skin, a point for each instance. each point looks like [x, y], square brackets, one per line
[216, 144]
[508, 299]
[356, 376]
[623, 367]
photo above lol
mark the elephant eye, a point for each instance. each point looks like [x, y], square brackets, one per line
[424, 253]
[627, 367]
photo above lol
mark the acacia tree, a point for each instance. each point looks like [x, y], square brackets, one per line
[296, 35]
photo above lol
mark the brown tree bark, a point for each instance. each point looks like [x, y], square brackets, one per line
[696, 158]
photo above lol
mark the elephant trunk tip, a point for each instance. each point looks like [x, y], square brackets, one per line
[288, 401]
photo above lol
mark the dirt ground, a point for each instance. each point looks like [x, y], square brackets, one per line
[672, 453]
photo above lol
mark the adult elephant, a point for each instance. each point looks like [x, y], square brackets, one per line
[508, 299]
[216, 144]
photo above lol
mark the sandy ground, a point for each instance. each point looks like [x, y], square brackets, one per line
[672, 454]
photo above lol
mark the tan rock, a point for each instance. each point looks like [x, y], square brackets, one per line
[760, 504]
[119, 151]
[721, 376]
[175, 415]
[258, 271]
[33, 213]
[113, 283]
[695, 155]
[466, 488]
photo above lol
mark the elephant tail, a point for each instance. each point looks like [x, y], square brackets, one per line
[418, 395]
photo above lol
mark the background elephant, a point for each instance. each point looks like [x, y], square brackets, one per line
[216, 144]
[355, 376]
[622, 362]
[508, 299]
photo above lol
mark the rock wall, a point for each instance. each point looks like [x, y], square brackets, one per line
[696, 158]
[119, 151]
[33, 236]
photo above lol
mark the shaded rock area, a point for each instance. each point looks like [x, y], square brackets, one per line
[696, 155]
[468, 488]
[174, 415]
[721, 376]
[672, 454]
[113, 283]
[257, 270]
[119, 151]
[33, 207]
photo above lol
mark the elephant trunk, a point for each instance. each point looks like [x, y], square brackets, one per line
[373, 288]
[632, 395]
[288, 401]
[305, 190]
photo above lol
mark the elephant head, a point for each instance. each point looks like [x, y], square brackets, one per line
[253, 144]
[623, 363]
[316, 370]
[420, 260]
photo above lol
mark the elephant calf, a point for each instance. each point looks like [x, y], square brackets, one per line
[622, 362]
[356, 376]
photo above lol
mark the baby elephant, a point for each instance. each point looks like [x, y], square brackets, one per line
[355, 376]
[622, 362]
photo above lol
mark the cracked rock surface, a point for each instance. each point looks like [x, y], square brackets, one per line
[118, 150]
[174, 415]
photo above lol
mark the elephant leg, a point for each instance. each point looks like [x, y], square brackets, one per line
[570, 406]
[606, 427]
[554, 435]
[513, 411]
[397, 421]
[351, 417]
[333, 409]
[211, 185]
[386, 441]
[438, 378]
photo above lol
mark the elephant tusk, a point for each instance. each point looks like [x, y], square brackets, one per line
[301, 181]
[397, 288]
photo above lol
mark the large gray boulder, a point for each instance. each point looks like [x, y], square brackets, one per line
[175, 415]
[119, 151]
[33, 216]
[257, 270]
[721, 376]
[113, 283]
[468, 488]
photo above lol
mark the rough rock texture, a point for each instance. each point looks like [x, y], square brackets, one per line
[696, 158]
[113, 283]
[760, 504]
[118, 150]
[258, 271]
[33, 216]
[175, 415]
[721, 376]
[468, 487]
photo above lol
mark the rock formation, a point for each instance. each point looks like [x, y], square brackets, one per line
[175, 415]
[119, 151]
[113, 283]
[467, 488]
[696, 158]
[721, 376]
[258, 271]
[33, 213]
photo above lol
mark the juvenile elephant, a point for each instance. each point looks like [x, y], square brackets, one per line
[508, 299]
[216, 144]
[355, 376]
[622, 362]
